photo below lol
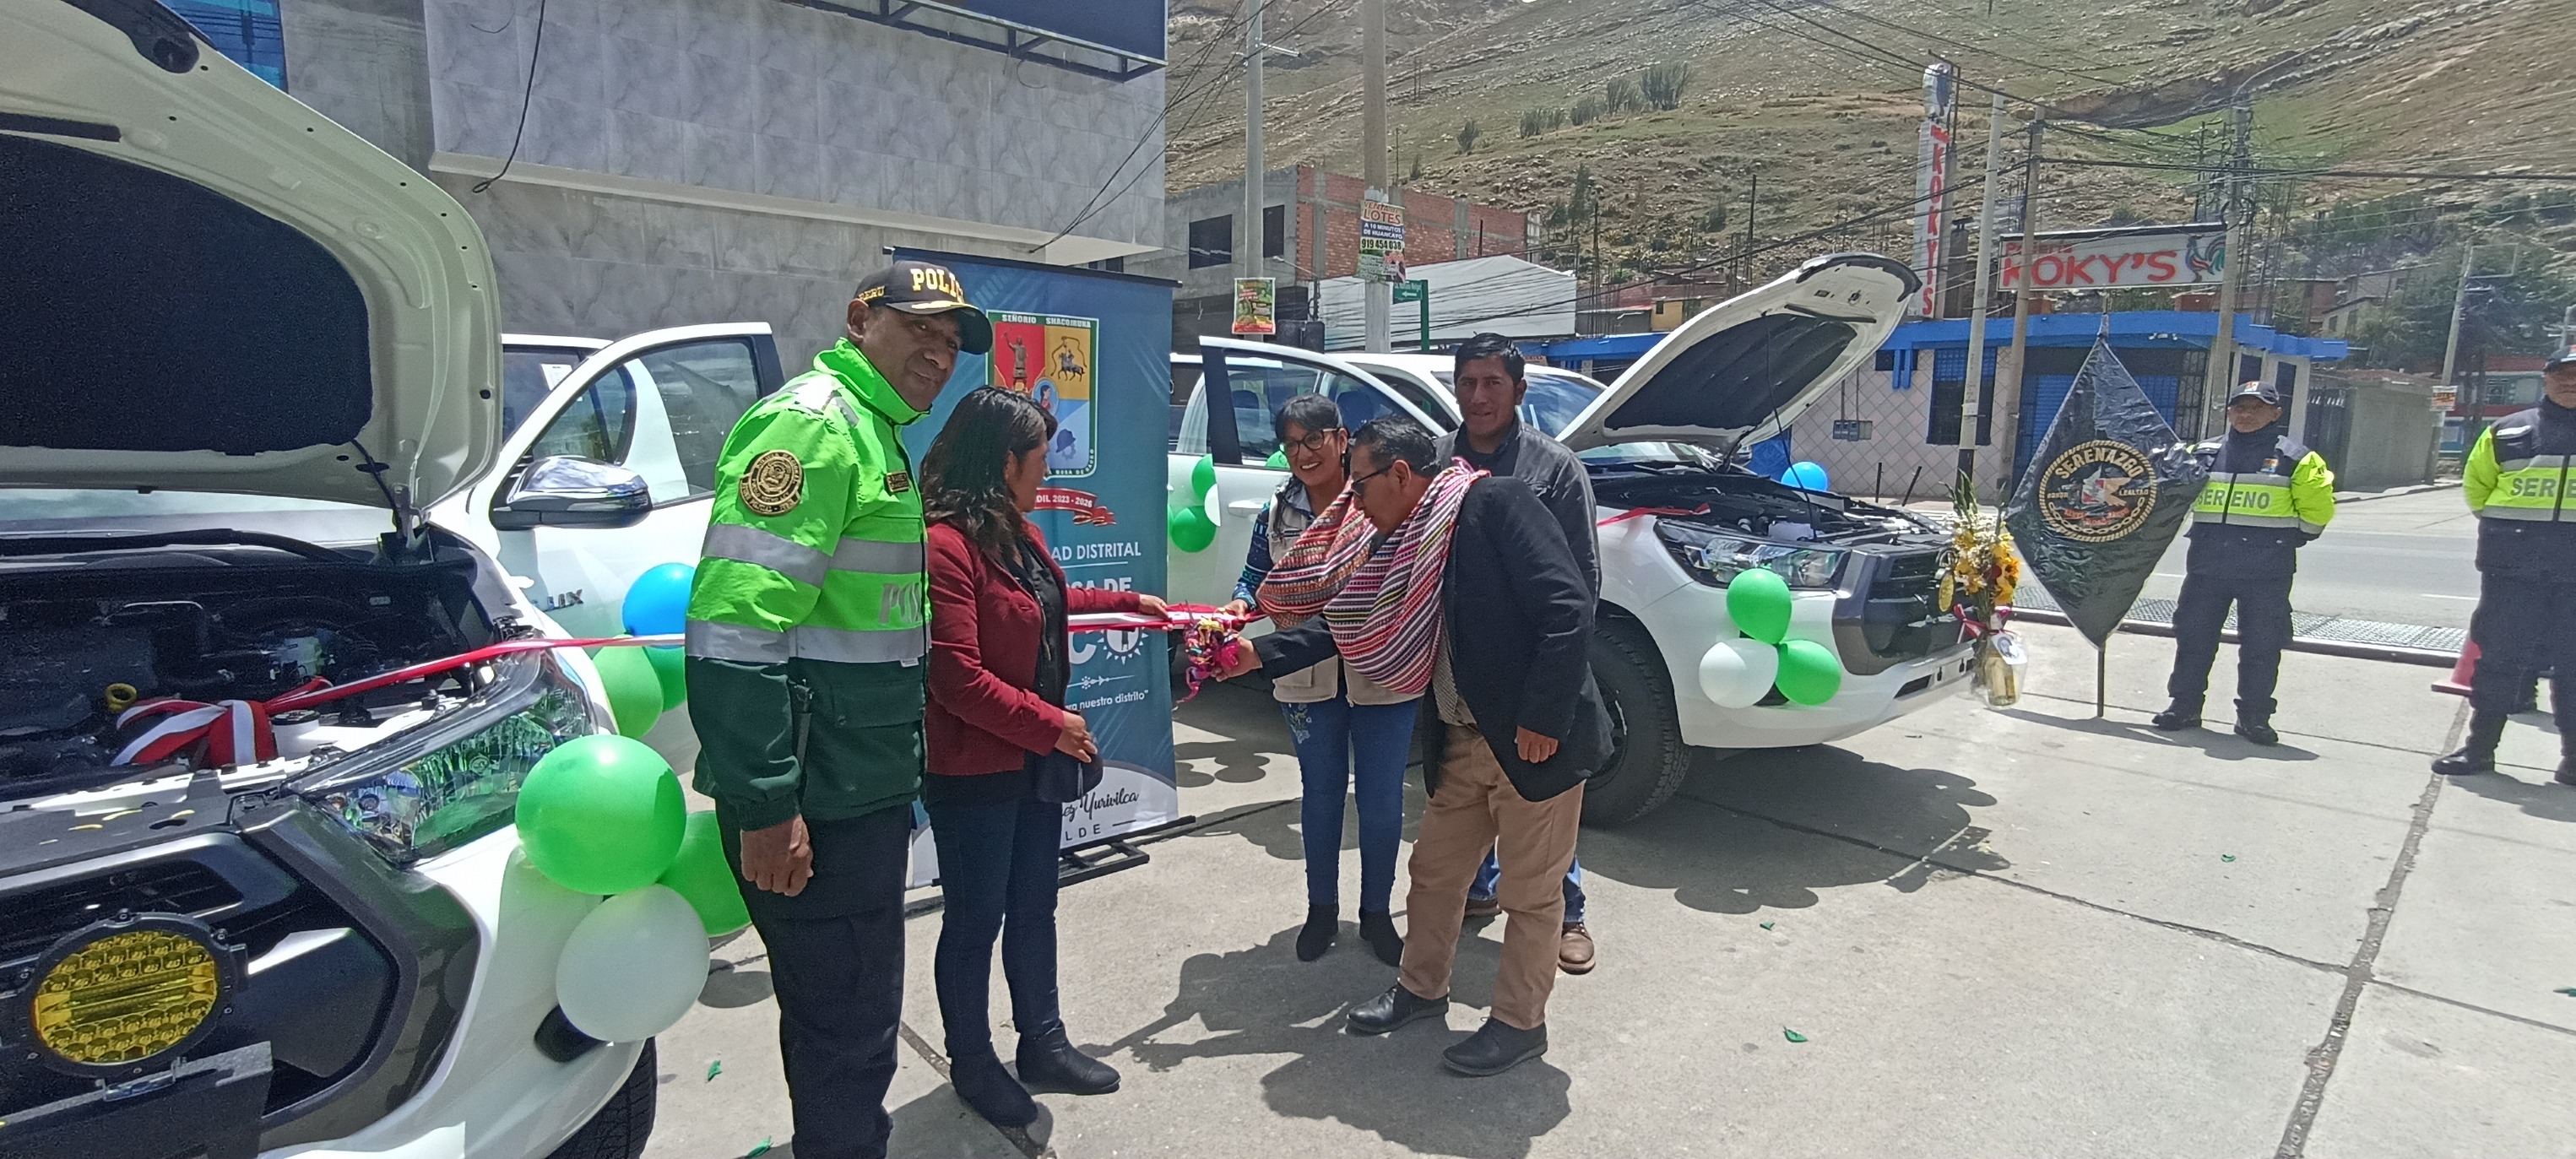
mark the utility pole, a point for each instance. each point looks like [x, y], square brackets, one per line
[1975, 386]
[1377, 298]
[2220, 380]
[1249, 239]
[2008, 396]
[2459, 310]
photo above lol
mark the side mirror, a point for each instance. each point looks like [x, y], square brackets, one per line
[569, 491]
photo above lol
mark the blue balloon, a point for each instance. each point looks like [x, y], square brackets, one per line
[1806, 475]
[658, 603]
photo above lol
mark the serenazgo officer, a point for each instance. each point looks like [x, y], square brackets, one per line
[2267, 497]
[807, 629]
[2516, 481]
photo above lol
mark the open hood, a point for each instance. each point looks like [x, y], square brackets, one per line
[207, 286]
[1744, 368]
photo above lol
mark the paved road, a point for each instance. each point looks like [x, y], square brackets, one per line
[2403, 559]
[2001, 932]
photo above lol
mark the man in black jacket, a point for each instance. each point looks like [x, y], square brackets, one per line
[1523, 727]
[1489, 383]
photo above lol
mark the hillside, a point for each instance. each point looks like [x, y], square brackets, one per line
[1819, 100]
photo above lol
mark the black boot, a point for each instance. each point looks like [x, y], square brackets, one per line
[2477, 752]
[1495, 1047]
[1393, 1009]
[2566, 770]
[1378, 930]
[1049, 1062]
[1323, 924]
[2258, 731]
[2177, 717]
[984, 1085]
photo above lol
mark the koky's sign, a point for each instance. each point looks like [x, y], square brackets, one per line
[2181, 255]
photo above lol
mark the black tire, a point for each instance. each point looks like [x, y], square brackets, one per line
[1649, 759]
[619, 1129]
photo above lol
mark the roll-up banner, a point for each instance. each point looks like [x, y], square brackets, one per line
[1094, 348]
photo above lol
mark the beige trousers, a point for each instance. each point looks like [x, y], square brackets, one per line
[1476, 809]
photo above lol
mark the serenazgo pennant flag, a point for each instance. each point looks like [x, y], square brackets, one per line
[2098, 505]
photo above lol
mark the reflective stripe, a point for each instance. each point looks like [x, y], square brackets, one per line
[2245, 499]
[2313, 528]
[735, 642]
[849, 414]
[885, 645]
[2533, 463]
[767, 549]
[2531, 514]
[876, 555]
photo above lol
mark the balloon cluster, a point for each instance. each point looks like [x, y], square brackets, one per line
[644, 683]
[603, 815]
[1738, 673]
[1193, 527]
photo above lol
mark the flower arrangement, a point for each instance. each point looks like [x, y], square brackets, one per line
[1984, 571]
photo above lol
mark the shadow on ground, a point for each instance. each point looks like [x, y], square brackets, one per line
[2214, 738]
[1770, 828]
[2543, 799]
[1263, 1001]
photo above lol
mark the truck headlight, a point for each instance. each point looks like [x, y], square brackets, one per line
[1716, 557]
[455, 779]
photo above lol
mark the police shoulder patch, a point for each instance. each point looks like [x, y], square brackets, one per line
[773, 483]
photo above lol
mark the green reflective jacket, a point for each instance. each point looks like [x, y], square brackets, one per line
[811, 586]
[2292, 490]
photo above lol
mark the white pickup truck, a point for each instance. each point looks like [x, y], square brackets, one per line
[1865, 578]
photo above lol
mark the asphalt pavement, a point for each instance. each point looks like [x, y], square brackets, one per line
[1993, 931]
[2398, 559]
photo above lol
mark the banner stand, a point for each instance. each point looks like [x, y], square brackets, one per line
[2101, 677]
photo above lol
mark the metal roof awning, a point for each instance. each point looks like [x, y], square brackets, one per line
[953, 22]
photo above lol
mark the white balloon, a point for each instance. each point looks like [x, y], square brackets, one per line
[634, 966]
[1737, 673]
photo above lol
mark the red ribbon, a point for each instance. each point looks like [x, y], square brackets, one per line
[1642, 512]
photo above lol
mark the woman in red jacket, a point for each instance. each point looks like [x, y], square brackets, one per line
[998, 671]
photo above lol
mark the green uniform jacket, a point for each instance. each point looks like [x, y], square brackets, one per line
[811, 588]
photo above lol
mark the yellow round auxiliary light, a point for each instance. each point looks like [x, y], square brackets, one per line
[118, 997]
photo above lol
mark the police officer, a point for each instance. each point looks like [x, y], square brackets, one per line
[2267, 496]
[807, 629]
[2516, 481]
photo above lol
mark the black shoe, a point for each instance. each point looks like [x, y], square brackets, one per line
[1049, 1062]
[2258, 731]
[2177, 718]
[1378, 930]
[1323, 924]
[1393, 1009]
[2477, 752]
[1494, 1048]
[1483, 907]
[991, 1091]
[2566, 771]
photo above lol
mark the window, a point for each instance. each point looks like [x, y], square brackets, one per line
[1274, 231]
[1260, 386]
[705, 387]
[598, 425]
[1211, 242]
[528, 375]
[1949, 392]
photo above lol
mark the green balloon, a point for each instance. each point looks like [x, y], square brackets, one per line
[701, 874]
[634, 689]
[667, 668]
[602, 815]
[1278, 461]
[1191, 529]
[1203, 476]
[1757, 599]
[1810, 673]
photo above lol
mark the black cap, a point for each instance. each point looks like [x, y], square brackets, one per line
[2256, 389]
[2563, 356]
[923, 288]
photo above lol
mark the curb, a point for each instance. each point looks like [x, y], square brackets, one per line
[2413, 489]
[2392, 654]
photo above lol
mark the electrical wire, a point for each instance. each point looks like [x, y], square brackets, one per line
[526, 96]
[2356, 174]
[1937, 38]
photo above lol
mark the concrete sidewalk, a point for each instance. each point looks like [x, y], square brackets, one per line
[2001, 932]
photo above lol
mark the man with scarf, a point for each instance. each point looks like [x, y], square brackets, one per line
[1437, 576]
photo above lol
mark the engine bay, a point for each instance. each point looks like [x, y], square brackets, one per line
[1749, 505]
[81, 645]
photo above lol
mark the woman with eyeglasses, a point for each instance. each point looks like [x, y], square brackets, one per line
[1351, 734]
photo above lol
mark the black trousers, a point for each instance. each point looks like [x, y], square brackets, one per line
[2262, 630]
[836, 962]
[2522, 626]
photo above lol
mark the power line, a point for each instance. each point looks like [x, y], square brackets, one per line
[2368, 174]
[1937, 38]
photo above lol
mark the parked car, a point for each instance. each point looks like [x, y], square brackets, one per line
[256, 437]
[1661, 440]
